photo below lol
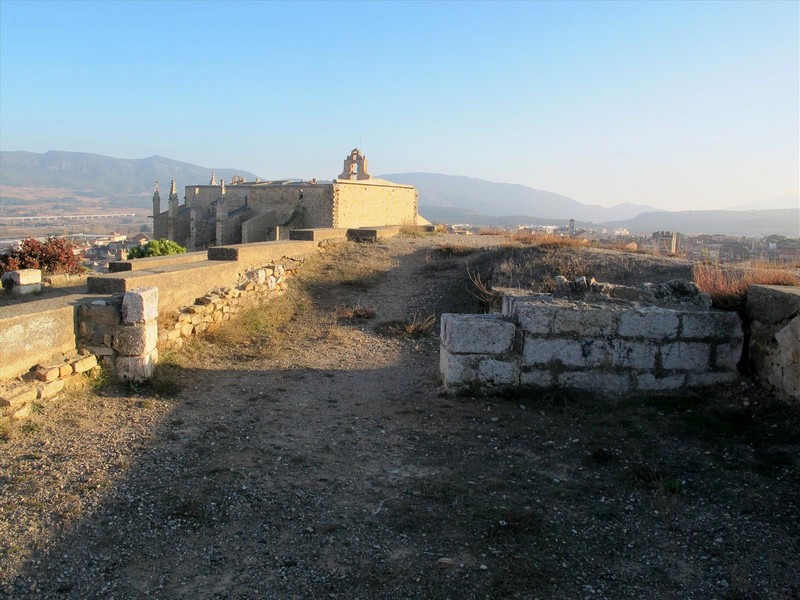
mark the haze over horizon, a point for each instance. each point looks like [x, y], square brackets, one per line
[676, 105]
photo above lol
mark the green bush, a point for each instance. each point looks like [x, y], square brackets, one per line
[160, 247]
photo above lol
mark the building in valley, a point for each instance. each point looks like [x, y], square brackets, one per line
[221, 213]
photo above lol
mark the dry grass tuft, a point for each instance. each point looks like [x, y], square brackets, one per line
[415, 327]
[450, 250]
[411, 230]
[492, 231]
[258, 327]
[354, 313]
[546, 240]
[483, 291]
[728, 286]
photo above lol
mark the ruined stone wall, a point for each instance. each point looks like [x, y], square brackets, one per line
[544, 341]
[372, 203]
[775, 337]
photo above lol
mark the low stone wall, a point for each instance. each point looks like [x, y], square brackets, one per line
[123, 332]
[544, 341]
[256, 286]
[18, 398]
[775, 337]
[34, 332]
[149, 262]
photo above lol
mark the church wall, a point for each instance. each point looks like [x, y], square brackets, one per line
[366, 204]
[285, 199]
[181, 228]
[160, 225]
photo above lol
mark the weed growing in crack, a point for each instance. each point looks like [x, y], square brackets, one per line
[415, 327]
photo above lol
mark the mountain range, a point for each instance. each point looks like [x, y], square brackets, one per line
[99, 174]
[503, 199]
[443, 198]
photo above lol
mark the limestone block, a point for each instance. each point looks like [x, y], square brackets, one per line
[711, 325]
[567, 321]
[688, 356]
[84, 364]
[136, 368]
[710, 378]
[279, 270]
[587, 322]
[727, 356]
[272, 281]
[103, 314]
[772, 304]
[25, 277]
[173, 335]
[140, 305]
[790, 383]
[135, 340]
[456, 369]
[633, 355]
[788, 339]
[99, 351]
[536, 377]
[17, 396]
[477, 334]
[49, 389]
[498, 372]
[649, 322]
[259, 276]
[647, 382]
[187, 329]
[594, 380]
[65, 370]
[23, 411]
[24, 290]
[535, 318]
[540, 351]
[47, 372]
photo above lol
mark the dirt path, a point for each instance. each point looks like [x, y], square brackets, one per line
[336, 469]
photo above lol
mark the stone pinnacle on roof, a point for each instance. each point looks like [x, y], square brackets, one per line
[213, 179]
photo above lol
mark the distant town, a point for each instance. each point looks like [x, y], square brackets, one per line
[98, 249]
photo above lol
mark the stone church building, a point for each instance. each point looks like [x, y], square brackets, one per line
[240, 212]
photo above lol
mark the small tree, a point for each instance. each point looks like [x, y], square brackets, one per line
[54, 255]
[160, 247]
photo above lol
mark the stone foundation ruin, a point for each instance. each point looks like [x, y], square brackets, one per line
[591, 336]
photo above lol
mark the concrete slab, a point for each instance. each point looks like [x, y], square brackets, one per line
[141, 264]
[259, 253]
[372, 234]
[318, 234]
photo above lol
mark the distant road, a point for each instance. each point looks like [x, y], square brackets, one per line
[68, 217]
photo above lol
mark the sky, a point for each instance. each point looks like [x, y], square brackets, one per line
[677, 105]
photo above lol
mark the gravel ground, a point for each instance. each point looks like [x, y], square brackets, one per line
[338, 469]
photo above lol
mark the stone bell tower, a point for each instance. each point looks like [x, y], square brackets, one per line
[355, 167]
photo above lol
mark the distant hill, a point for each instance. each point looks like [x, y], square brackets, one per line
[94, 175]
[503, 199]
[752, 223]
[769, 204]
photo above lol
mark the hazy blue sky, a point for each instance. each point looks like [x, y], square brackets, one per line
[682, 105]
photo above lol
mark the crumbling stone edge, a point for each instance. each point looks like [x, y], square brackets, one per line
[123, 335]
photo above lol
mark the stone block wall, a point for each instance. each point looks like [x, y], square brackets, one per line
[18, 398]
[123, 332]
[544, 341]
[221, 304]
[775, 337]
[373, 203]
